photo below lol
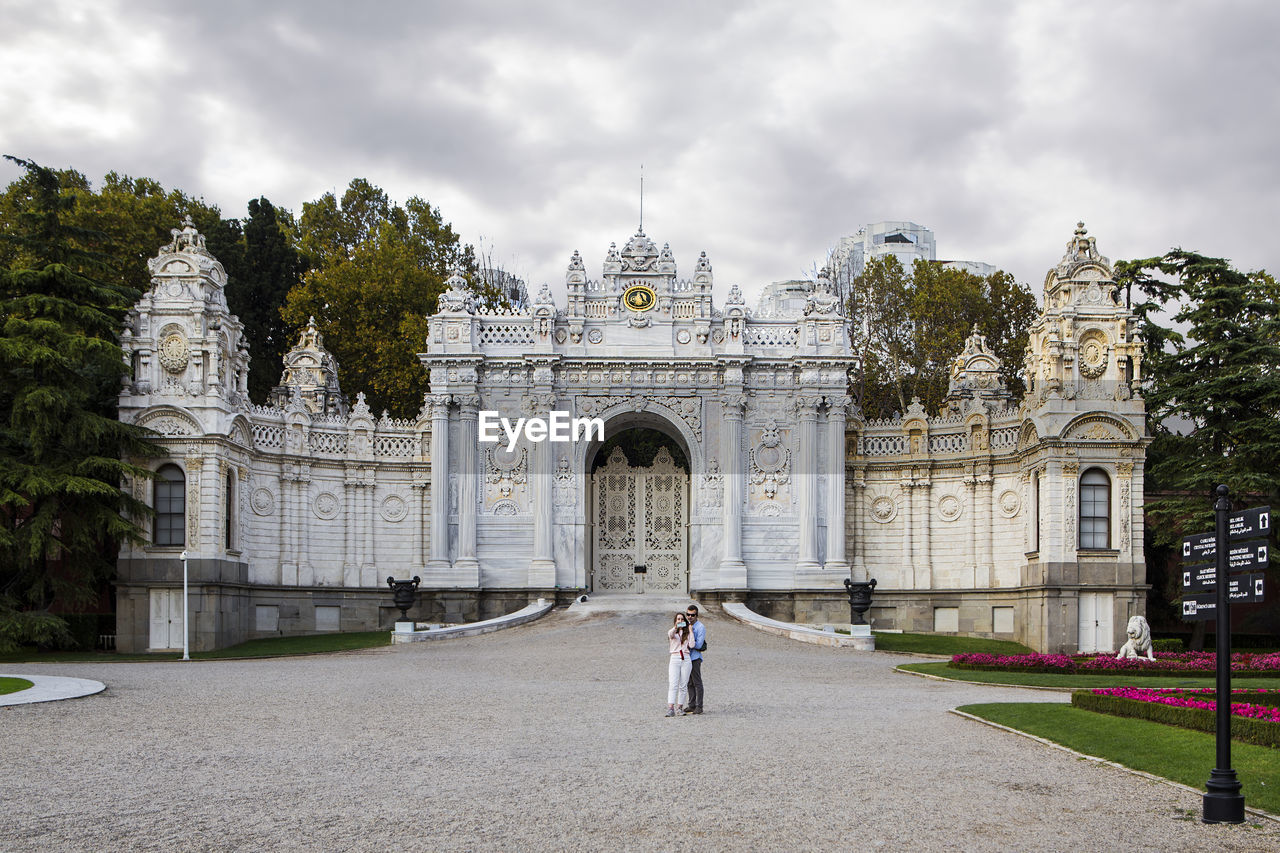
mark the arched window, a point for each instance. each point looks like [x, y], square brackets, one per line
[171, 506]
[1095, 509]
[230, 511]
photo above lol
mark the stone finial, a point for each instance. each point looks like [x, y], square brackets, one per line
[976, 343]
[457, 297]
[575, 262]
[544, 296]
[704, 265]
[361, 408]
[186, 239]
[822, 300]
[311, 374]
[640, 254]
[1082, 248]
[735, 296]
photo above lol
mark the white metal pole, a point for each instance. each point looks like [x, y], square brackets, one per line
[186, 631]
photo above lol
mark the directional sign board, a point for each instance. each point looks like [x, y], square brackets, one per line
[1200, 606]
[1198, 580]
[1241, 556]
[1250, 524]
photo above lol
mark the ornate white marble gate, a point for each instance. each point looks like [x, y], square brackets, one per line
[640, 520]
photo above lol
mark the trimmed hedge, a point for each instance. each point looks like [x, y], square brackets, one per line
[1243, 729]
[1156, 673]
[1172, 644]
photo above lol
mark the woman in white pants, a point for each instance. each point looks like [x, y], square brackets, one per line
[680, 642]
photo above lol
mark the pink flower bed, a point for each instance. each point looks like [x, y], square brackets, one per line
[1195, 698]
[1180, 662]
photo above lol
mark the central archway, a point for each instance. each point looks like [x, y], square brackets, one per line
[638, 509]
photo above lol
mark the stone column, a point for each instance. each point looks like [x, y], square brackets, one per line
[985, 509]
[288, 522]
[542, 568]
[925, 539]
[467, 567]
[439, 564]
[350, 525]
[908, 528]
[837, 563]
[418, 515]
[368, 560]
[733, 571]
[306, 572]
[971, 540]
[808, 570]
[859, 525]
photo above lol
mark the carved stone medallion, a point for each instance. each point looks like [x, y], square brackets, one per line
[949, 508]
[263, 502]
[1010, 503]
[393, 508]
[883, 509]
[173, 353]
[325, 506]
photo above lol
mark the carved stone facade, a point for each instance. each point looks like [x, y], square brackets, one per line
[966, 519]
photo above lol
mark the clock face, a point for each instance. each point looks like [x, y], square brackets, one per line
[639, 297]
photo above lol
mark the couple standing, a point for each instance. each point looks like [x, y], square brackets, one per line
[687, 640]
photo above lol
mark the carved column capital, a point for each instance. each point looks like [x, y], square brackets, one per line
[734, 403]
[807, 406]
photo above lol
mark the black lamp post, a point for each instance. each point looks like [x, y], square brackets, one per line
[859, 599]
[1223, 802]
[404, 594]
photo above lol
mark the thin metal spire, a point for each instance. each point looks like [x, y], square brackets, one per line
[642, 196]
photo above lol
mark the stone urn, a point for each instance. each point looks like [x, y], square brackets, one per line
[404, 593]
[859, 599]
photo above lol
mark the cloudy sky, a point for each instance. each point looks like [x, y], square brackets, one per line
[767, 130]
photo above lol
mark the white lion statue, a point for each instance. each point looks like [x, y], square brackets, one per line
[1139, 644]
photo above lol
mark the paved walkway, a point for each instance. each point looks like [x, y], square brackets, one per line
[551, 736]
[50, 688]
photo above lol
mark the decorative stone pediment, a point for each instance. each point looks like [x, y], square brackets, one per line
[975, 376]
[1098, 427]
[170, 421]
[311, 376]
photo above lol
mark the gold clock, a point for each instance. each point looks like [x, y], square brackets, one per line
[639, 297]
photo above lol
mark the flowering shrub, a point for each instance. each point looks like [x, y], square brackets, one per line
[1202, 697]
[1254, 719]
[1182, 663]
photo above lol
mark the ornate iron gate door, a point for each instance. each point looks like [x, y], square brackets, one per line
[640, 521]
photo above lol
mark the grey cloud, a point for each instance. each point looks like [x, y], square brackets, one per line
[766, 133]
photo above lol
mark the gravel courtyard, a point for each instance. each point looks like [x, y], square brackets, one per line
[551, 736]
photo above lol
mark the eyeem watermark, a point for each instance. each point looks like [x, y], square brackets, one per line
[557, 426]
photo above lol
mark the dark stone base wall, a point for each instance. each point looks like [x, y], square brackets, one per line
[1044, 618]
[225, 614]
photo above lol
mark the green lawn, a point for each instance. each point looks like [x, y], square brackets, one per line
[1178, 754]
[1053, 679]
[941, 644]
[272, 647]
[12, 685]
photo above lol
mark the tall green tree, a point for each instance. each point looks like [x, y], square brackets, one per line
[270, 265]
[125, 222]
[62, 510]
[909, 326]
[377, 270]
[1212, 384]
